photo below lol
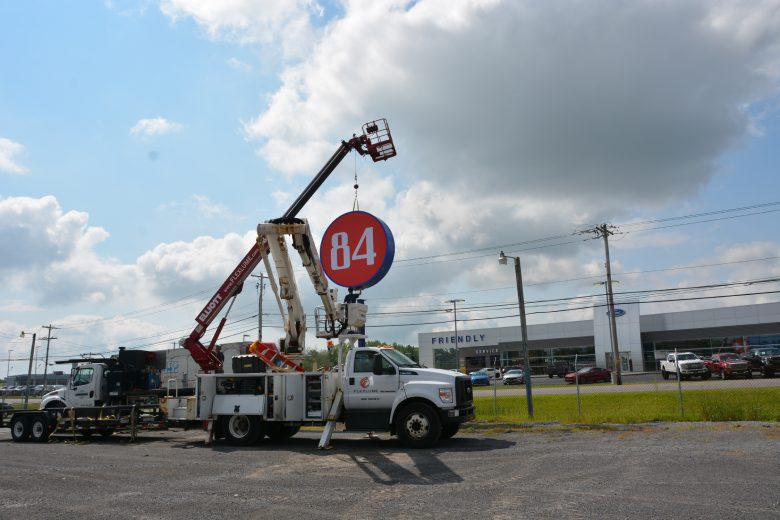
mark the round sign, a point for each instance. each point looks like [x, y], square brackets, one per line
[357, 250]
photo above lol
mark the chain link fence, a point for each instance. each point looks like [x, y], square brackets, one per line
[725, 386]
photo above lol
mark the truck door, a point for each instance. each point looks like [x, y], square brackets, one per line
[368, 391]
[82, 387]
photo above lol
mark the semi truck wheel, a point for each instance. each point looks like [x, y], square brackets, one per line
[39, 429]
[241, 430]
[449, 430]
[20, 429]
[280, 432]
[418, 426]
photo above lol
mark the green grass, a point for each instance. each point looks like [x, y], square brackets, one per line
[742, 404]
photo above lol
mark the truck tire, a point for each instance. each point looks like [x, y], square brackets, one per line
[242, 430]
[749, 374]
[280, 432]
[706, 376]
[20, 429]
[39, 429]
[664, 373]
[449, 430]
[418, 426]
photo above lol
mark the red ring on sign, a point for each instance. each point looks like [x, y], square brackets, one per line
[357, 250]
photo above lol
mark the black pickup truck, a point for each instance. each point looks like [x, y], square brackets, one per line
[764, 359]
[559, 368]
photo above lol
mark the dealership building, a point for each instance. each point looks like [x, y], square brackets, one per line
[643, 339]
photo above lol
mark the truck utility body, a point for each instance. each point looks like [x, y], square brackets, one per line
[377, 389]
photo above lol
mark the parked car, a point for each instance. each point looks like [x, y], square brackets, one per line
[491, 372]
[514, 377]
[479, 378]
[559, 368]
[764, 359]
[728, 364]
[590, 375]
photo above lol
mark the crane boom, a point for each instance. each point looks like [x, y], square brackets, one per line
[376, 142]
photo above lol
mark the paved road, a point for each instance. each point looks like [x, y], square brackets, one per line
[664, 471]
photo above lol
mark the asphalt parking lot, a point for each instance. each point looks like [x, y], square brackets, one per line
[723, 470]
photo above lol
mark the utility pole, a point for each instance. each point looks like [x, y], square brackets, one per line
[261, 288]
[502, 259]
[604, 231]
[455, 310]
[29, 368]
[46, 363]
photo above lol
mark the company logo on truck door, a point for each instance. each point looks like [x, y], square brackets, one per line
[365, 382]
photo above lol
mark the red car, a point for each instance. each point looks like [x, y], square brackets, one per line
[728, 364]
[590, 375]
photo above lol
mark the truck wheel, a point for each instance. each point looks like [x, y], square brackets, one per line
[749, 374]
[551, 375]
[664, 374]
[706, 376]
[20, 429]
[418, 426]
[280, 432]
[108, 432]
[449, 430]
[242, 430]
[39, 429]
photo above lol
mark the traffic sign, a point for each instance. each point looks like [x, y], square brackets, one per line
[357, 250]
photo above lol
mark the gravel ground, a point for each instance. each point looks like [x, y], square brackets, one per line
[720, 470]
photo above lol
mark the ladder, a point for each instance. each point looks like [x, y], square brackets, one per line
[273, 358]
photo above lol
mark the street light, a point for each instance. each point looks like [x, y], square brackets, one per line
[29, 368]
[455, 310]
[502, 259]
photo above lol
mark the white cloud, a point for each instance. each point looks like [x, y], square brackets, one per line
[208, 208]
[285, 24]
[8, 152]
[154, 126]
[527, 97]
[239, 65]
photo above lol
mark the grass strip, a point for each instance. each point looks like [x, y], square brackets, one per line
[741, 404]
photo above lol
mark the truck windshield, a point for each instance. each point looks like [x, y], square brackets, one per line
[686, 357]
[399, 359]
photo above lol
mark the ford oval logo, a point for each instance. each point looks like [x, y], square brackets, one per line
[618, 312]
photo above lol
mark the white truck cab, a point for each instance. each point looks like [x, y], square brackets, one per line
[379, 389]
[86, 387]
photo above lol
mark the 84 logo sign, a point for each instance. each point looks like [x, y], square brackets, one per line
[357, 250]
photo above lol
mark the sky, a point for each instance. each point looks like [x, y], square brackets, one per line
[141, 142]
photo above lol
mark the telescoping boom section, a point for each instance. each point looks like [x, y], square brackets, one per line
[375, 142]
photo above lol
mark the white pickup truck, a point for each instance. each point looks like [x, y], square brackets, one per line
[377, 389]
[687, 364]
